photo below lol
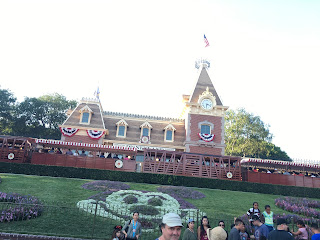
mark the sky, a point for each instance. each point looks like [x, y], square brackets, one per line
[264, 57]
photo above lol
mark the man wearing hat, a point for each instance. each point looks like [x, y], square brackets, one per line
[261, 230]
[170, 227]
[281, 232]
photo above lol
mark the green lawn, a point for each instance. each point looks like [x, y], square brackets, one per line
[61, 217]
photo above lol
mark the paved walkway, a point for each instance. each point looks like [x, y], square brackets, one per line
[15, 236]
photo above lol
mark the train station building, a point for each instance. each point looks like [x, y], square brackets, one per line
[199, 130]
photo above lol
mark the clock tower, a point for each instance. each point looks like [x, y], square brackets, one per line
[204, 116]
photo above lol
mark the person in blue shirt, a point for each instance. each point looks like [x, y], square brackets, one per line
[316, 231]
[261, 230]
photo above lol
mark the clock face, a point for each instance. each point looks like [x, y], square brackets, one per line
[206, 104]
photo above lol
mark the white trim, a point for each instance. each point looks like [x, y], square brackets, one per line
[165, 135]
[89, 118]
[101, 115]
[145, 125]
[85, 109]
[172, 129]
[122, 122]
[125, 131]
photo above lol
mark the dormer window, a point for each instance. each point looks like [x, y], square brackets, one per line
[122, 126]
[169, 133]
[145, 130]
[85, 117]
[86, 114]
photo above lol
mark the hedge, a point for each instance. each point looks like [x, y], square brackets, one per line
[162, 179]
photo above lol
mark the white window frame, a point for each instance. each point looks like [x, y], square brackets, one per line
[85, 109]
[122, 122]
[171, 128]
[206, 123]
[145, 125]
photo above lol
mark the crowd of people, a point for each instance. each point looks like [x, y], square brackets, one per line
[285, 172]
[84, 153]
[262, 227]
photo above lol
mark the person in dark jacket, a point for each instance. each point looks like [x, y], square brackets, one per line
[281, 232]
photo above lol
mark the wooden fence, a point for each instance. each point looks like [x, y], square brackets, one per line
[81, 162]
[188, 164]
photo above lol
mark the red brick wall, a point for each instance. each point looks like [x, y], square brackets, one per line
[194, 121]
[83, 139]
[206, 150]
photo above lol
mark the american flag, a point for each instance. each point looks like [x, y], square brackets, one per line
[206, 41]
[97, 93]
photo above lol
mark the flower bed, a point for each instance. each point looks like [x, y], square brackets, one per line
[106, 185]
[151, 205]
[181, 192]
[302, 206]
[293, 218]
[21, 207]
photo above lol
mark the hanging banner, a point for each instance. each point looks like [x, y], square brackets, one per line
[206, 137]
[95, 134]
[69, 132]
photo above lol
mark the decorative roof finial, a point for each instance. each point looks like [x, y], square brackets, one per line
[203, 63]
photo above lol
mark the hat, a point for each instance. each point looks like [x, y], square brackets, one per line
[190, 220]
[217, 233]
[281, 221]
[172, 220]
[255, 218]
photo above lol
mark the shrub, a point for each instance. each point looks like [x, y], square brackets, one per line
[144, 209]
[130, 199]
[163, 179]
[155, 202]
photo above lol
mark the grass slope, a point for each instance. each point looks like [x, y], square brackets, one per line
[61, 217]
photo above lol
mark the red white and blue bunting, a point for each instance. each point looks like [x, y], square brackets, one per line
[95, 134]
[206, 137]
[69, 132]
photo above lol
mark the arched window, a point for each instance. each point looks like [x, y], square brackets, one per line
[169, 133]
[86, 114]
[122, 127]
[145, 132]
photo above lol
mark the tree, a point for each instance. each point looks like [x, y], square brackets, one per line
[247, 135]
[7, 107]
[40, 117]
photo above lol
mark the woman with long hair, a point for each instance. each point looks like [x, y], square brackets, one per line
[116, 234]
[202, 229]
